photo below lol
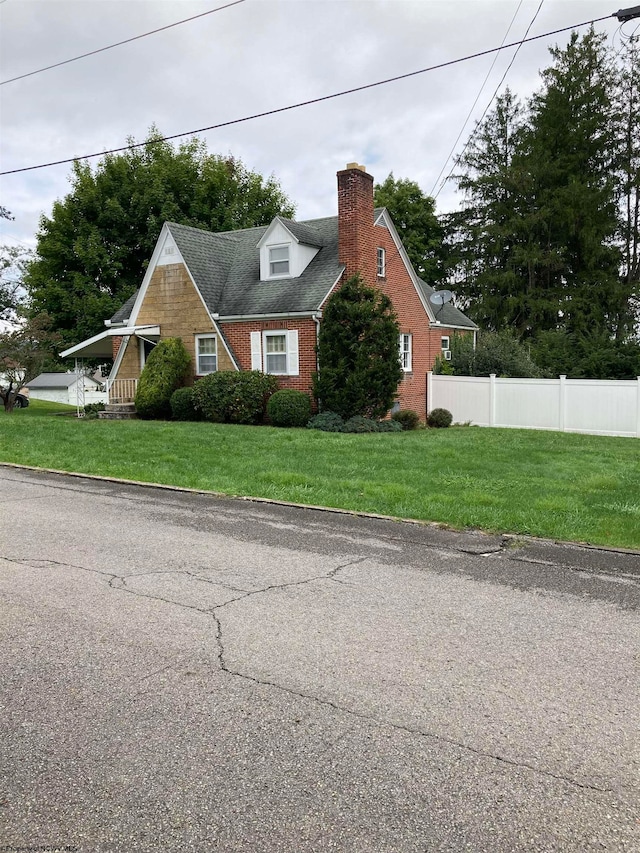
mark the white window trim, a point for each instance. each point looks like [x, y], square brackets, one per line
[381, 268]
[259, 350]
[141, 352]
[286, 246]
[406, 355]
[201, 338]
[446, 345]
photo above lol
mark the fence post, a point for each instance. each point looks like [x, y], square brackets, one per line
[638, 417]
[430, 391]
[563, 401]
[492, 399]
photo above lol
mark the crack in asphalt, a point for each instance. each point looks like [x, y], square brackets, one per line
[118, 582]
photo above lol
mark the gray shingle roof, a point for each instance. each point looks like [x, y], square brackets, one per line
[245, 294]
[447, 314]
[226, 269]
[303, 231]
[55, 380]
[124, 311]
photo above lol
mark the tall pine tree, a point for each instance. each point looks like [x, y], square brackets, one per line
[547, 237]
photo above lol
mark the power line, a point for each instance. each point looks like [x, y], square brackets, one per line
[486, 109]
[118, 43]
[473, 106]
[301, 103]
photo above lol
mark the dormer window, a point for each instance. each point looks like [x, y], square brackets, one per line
[278, 261]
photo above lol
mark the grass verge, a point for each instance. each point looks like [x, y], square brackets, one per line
[562, 486]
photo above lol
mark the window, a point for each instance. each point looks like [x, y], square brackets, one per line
[279, 260]
[275, 353]
[145, 351]
[381, 263]
[206, 354]
[405, 352]
[445, 342]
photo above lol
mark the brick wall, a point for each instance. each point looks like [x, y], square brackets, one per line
[413, 320]
[356, 245]
[116, 343]
[239, 337]
[358, 242]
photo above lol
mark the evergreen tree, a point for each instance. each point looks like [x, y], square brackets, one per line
[628, 111]
[547, 238]
[570, 151]
[358, 352]
[487, 231]
[93, 249]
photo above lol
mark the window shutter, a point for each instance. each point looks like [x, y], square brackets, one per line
[256, 351]
[292, 353]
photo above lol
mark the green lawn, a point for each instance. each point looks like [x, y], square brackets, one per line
[571, 487]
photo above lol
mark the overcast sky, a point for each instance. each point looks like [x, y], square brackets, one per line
[256, 56]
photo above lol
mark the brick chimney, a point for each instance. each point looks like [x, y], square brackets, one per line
[356, 238]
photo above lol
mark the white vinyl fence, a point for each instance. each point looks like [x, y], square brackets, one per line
[599, 407]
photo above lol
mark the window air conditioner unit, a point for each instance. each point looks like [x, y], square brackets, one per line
[447, 354]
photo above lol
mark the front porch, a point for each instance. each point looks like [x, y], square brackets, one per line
[121, 390]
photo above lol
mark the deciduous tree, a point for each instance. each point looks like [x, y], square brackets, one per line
[421, 231]
[24, 353]
[93, 248]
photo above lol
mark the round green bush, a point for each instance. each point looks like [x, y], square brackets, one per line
[289, 408]
[182, 407]
[234, 397]
[439, 418]
[358, 423]
[407, 418]
[389, 426]
[91, 410]
[165, 370]
[327, 422]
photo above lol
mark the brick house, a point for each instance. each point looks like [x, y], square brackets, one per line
[253, 298]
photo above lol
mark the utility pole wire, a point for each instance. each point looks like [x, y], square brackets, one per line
[486, 109]
[118, 43]
[301, 103]
[473, 106]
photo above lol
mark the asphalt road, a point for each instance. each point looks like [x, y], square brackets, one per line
[180, 672]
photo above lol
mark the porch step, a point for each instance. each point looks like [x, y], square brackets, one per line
[119, 412]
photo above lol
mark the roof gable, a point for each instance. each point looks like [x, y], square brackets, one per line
[301, 232]
[225, 269]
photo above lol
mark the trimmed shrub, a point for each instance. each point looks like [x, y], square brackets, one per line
[407, 418]
[234, 397]
[165, 370]
[358, 423]
[439, 418]
[91, 410]
[389, 426]
[182, 407]
[358, 352]
[289, 408]
[327, 422]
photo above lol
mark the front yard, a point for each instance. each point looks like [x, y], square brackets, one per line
[562, 486]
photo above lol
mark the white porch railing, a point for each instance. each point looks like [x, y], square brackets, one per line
[122, 390]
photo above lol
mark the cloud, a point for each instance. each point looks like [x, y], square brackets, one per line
[259, 55]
